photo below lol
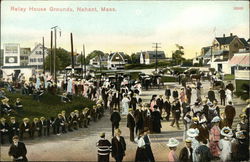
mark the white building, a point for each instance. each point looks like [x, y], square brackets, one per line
[36, 56]
[11, 55]
[149, 57]
[116, 61]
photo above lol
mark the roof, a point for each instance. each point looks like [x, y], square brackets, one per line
[248, 40]
[160, 54]
[225, 40]
[243, 60]
[206, 49]
[220, 52]
[39, 44]
[244, 42]
[221, 60]
[121, 53]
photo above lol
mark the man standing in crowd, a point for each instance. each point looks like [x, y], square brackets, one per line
[167, 92]
[229, 114]
[115, 119]
[104, 149]
[131, 124]
[18, 150]
[222, 96]
[211, 95]
[118, 146]
[186, 152]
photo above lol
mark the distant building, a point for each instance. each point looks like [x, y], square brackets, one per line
[36, 56]
[11, 55]
[97, 60]
[116, 61]
[24, 56]
[149, 57]
[221, 51]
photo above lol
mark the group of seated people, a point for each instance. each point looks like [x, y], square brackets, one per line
[9, 109]
[39, 127]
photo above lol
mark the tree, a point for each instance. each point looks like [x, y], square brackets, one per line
[177, 55]
[128, 58]
[63, 59]
[91, 55]
[135, 58]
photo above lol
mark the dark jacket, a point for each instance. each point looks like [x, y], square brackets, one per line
[167, 92]
[118, 147]
[115, 118]
[130, 121]
[183, 157]
[17, 151]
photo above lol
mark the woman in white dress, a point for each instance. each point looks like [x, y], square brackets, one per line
[194, 95]
[125, 105]
[228, 96]
[192, 133]
[225, 144]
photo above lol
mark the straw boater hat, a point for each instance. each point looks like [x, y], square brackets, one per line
[5, 100]
[12, 118]
[42, 118]
[195, 119]
[172, 142]
[193, 132]
[99, 105]
[3, 119]
[240, 135]
[226, 131]
[35, 119]
[25, 119]
[130, 109]
[242, 116]
[188, 140]
[76, 111]
[102, 134]
[215, 119]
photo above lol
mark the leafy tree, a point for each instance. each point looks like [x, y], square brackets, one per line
[128, 58]
[135, 58]
[177, 55]
[92, 55]
[63, 59]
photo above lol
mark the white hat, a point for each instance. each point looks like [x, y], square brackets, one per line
[172, 142]
[215, 119]
[226, 131]
[193, 132]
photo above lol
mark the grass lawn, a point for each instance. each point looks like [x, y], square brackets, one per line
[228, 77]
[49, 105]
[168, 79]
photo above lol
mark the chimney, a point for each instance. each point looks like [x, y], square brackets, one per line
[224, 35]
[231, 34]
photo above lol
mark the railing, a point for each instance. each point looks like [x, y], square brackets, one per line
[242, 74]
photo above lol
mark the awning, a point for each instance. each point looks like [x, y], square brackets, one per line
[240, 60]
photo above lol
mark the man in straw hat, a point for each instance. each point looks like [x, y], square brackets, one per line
[118, 146]
[131, 124]
[225, 144]
[18, 150]
[4, 130]
[186, 152]
[243, 125]
[14, 127]
[172, 144]
[25, 128]
[241, 147]
[104, 149]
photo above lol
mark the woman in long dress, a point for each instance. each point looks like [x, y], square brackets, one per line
[225, 144]
[194, 96]
[125, 105]
[214, 137]
[228, 96]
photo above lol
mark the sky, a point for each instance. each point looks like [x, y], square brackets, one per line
[131, 26]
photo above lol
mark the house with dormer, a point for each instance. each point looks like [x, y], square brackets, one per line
[149, 57]
[221, 52]
[116, 60]
[36, 56]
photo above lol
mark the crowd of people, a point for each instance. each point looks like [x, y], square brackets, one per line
[208, 132]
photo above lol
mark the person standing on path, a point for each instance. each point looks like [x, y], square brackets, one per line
[131, 124]
[229, 114]
[186, 152]
[104, 149]
[18, 150]
[118, 146]
[172, 144]
[115, 118]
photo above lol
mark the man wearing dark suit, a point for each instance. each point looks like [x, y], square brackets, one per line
[4, 130]
[18, 150]
[138, 119]
[186, 152]
[176, 111]
[160, 102]
[222, 96]
[14, 128]
[118, 146]
[167, 106]
[131, 124]
[211, 95]
[229, 114]
[175, 94]
[188, 94]
[115, 119]
[168, 92]
[25, 128]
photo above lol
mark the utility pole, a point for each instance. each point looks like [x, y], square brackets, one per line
[72, 53]
[43, 58]
[51, 46]
[84, 61]
[156, 57]
[81, 66]
[54, 61]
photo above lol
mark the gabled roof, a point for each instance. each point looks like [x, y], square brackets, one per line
[160, 54]
[244, 42]
[225, 40]
[120, 53]
[37, 46]
[206, 49]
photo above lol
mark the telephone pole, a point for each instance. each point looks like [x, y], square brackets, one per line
[43, 58]
[84, 61]
[72, 53]
[51, 46]
[54, 61]
[156, 46]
